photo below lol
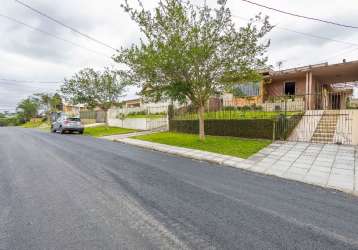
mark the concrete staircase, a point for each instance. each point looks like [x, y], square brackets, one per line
[326, 127]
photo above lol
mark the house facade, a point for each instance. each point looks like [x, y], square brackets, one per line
[320, 87]
[325, 96]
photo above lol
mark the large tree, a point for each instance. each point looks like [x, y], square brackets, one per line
[28, 108]
[190, 52]
[49, 102]
[94, 88]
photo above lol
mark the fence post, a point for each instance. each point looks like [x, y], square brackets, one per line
[274, 131]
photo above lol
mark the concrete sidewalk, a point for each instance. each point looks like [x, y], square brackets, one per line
[123, 136]
[325, 165]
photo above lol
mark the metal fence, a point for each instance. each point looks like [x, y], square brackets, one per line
[230, 110]
[319, 118]
[325, 118]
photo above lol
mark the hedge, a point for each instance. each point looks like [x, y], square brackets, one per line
[256, 128]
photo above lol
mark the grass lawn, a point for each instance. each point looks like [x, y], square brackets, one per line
[37, 124]
[106, 130]
[233, 146]
[149, 116]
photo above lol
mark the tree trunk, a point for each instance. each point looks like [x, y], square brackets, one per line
[106, 117]
[201, 113]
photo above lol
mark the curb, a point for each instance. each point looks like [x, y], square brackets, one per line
[222, 160]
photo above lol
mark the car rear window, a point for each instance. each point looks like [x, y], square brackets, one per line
[74, 119]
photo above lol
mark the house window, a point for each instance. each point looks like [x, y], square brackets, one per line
[246, 89]
[290, 88]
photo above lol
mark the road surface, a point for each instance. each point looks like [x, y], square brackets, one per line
[76, 192]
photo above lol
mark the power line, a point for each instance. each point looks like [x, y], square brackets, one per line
[67, 26]
[306, 34]
[29, 81]
[344, 51]
[300, 16]
[317, 36]
[52, 35]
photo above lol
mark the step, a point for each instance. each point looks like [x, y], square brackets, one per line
[325, 133]
[322, 138]
[322, 141]
[327, 125]
[325, 129]
[326, 121]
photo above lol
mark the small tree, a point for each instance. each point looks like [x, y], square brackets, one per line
[28, 108]
[94, 88]
[191, 53]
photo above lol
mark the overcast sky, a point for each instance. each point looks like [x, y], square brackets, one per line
[30, 55]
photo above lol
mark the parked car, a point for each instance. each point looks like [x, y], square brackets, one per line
[64, 123]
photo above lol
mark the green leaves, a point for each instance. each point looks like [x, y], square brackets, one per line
[190, 53]
[94, 88]
[28, 108]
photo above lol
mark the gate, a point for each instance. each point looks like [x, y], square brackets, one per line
[157, 117]
[101, 116]
[324, 118]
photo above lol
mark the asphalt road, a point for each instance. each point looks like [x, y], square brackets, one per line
[75, 192]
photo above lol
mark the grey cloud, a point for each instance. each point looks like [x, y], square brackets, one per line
[32, 55]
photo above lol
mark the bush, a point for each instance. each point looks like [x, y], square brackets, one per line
[10, 121]
[138, 113]
[246, 108]
[230, 108]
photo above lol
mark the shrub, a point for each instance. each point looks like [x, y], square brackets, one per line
[10, 121]
[246, 108]
[230, 108]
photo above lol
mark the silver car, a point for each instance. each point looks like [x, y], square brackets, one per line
[65, 123]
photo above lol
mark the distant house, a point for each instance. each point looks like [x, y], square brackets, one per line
[140, 103]
[133, 103]
[74, 109]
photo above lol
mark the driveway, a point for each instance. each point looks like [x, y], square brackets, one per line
[327, 165]
[75, 192]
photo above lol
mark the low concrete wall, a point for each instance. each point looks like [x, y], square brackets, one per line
[296, 105]
[354, 114]
[139, 123]
[132, 123]
[307, 126]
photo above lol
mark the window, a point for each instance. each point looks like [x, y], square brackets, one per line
[247, 89]
[290, 88]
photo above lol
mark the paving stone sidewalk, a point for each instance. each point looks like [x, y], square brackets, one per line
[325, 165]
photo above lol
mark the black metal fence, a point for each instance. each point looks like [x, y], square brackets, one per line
[321, 117]
[326, 117]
